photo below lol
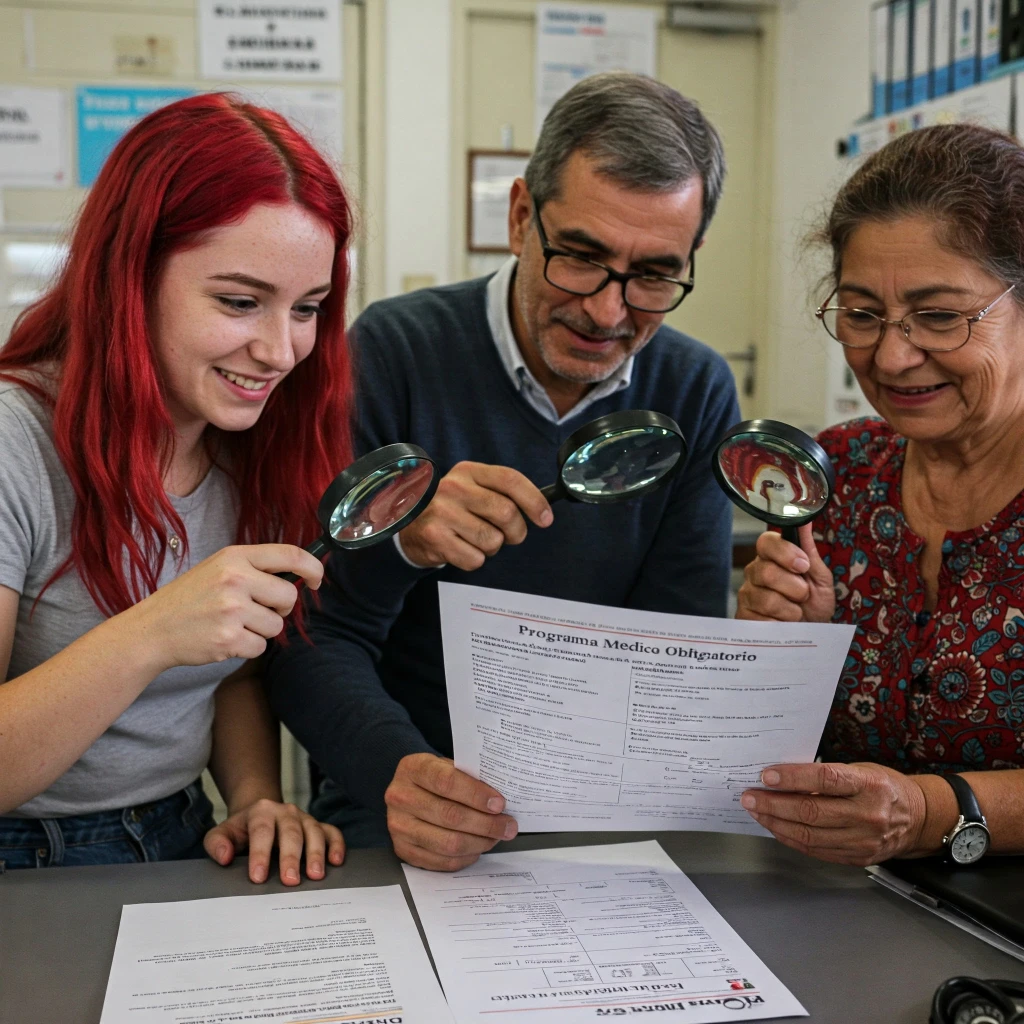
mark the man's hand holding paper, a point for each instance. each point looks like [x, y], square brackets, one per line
[585, 717]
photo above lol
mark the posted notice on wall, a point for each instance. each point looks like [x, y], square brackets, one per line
[588, 933]
[330, 955]
[575, 41]
[317, 113]
[287, 40]
[106, 113]
[33, 138]
[588, 717]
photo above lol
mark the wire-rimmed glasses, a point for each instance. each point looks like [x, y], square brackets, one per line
[934, 330]
[645, 292]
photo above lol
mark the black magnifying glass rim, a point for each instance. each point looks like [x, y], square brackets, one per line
[775, 430]
[354, 475]
[614, 423]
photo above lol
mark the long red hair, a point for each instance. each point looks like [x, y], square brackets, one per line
[194, 165]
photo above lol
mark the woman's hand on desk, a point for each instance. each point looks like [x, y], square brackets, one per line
[787, 583]
[266, 823]
[846, 813]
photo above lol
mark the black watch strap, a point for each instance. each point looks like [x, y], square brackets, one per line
[965, 798]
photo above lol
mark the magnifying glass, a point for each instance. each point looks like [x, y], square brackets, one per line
[775, 473]
[618, 457]
[378, 495]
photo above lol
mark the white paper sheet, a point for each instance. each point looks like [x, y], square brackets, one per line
[575, 41]
[33, 138]
[586, 933]
[587, 717]
[335, 954]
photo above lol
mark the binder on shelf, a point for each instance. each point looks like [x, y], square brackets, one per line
[1011, 41]
[991, 16]
[965, 44]
[920, 49]
[942, 47]
[880, 24]
[900, 58]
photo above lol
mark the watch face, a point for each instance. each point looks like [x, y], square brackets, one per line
[969, 844]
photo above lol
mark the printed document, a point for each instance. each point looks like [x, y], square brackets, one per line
[588, 933]
[334, 954]
[587, 717]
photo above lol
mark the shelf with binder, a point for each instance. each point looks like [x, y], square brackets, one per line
[991, 103]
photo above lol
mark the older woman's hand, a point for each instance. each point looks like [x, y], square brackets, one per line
[847, 813]
[787, 583]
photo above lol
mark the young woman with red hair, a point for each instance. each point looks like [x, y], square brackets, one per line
[179, 397]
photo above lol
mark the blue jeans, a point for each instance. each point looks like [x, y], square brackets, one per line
[168, 829]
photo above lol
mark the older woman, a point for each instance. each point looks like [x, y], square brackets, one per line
[922, 546]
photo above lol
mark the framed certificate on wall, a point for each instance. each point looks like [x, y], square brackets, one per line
[490, 177]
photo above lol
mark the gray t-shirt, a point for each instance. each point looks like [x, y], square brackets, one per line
[161, 743]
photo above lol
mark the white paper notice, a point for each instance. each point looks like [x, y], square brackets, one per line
[574, 41]
[317, 113]
[33, 138]
[588, 717]
[335, 954]
[586, 933]
[293, 40]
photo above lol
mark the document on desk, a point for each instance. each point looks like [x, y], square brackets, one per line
[588, 933]
[329, 955]
[588, 717]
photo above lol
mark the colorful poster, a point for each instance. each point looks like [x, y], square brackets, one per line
[106, 113]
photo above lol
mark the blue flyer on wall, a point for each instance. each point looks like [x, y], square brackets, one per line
[106, 113]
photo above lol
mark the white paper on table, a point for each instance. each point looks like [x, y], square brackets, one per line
[586, 933]
[575, 41]
[587, 717]
[333, 954]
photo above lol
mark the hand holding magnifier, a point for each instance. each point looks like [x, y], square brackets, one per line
[378, 495]
[775, 473]
[618, 457]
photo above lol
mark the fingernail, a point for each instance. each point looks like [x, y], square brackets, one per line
[511, 830]
[801, 564]
[748, 802]
[316, 868]
[547, 517]
[223, 852]
[258, 874]
[770, 777]
[495, 804]
[291, 875]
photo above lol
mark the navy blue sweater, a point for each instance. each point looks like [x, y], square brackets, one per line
[371, 688]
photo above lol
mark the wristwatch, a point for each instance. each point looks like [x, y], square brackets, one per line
[969, 839]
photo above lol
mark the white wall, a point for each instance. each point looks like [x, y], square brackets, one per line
[822, 67]
[417, 127]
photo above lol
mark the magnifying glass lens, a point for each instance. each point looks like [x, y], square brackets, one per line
[380, 499]
[774, 476]
[622, 461]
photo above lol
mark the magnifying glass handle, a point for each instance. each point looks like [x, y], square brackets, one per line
[552, 492]
[317, 549]
[791, 534]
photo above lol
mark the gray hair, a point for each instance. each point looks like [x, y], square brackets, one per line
[640, 132]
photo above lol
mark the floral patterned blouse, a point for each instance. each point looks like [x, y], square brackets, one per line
[920, 692]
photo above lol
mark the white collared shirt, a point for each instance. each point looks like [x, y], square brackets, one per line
[498, 289]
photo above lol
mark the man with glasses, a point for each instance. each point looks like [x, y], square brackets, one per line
[491, 376]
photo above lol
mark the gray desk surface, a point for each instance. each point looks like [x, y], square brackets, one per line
[850, 951]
